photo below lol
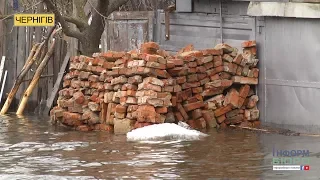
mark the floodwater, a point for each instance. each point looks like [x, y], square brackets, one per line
[31, 148]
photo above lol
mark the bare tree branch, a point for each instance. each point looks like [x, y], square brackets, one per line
[114, 5]
[66, 28]
[81, 25]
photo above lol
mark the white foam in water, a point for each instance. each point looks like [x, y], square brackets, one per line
[165, 131]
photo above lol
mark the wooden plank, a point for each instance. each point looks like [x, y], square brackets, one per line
[21, 52]
[3, 83]
[57, 84]
[2, 66]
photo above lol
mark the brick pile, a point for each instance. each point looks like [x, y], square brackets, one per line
[119, 91]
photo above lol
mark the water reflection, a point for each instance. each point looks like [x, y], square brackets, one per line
[30, 148]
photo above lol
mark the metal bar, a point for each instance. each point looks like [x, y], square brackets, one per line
[221, 29]
[3, 83]
[42, 76]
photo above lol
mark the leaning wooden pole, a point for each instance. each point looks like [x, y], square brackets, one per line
[35, 79]
[34, 54]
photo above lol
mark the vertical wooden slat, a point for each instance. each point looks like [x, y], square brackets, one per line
[21, 58]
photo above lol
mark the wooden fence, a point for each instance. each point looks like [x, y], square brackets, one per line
[15, 44]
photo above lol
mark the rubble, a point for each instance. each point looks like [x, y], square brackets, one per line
[121, 91]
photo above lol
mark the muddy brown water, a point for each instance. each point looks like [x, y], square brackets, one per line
[31, 148]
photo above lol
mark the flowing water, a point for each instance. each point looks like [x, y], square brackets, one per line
[31, 148]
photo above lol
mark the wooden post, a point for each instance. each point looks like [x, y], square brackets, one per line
[33, 56]
[57, 84]
[35, 79]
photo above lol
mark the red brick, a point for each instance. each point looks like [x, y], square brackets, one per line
[176, 62]
[222, 110]
[221, 119]
[190, 85]
[155, 65]
[196, 114]
[174, 101]
[178, 71]
[244, 80]
[160, 73]
[252, 101]
[201, 123]
[121, 109]
[202, 75]
[193, 106]
[181, 79]
[244, 91]
[197, 90]
[238, 59]
[232, 98]
[183, 95]
[71, 116]
[239, 71]
[212, 52]
[208, 65]
[236, 119]
[192, 64]
[192, 78]
[217, 61]
[227, 58]
[182, 111]
[204, 81]
[161, 110]
[212, 91]
[248, 44]
[190, 55]
[167, 89]
[201, 69]
[241, 102]
[79, 97]
[208, 116]
[178, 116]
[170, 65]
[214, 71]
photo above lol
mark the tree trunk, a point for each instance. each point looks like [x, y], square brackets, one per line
[35, 79]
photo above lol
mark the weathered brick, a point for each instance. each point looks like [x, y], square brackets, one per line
[225, 47]
[192, 64]
[196, 114]
[222, 110]
[201, 69]
[227, 58]
[238, 59]
[221, 118]
[192, 78]
[119, 80]
[94, 106]
[239, 71]
[178, 116]
[167, 88]
[193, 106]
[217, 61]
[182, 112]
[244, 80]
[244, 91]
[232, 113]
[217, 100]
[214, 71]
[248, 44]
[178, 71]
[123, 126]
[212, 91]
[208, 65]
[190, 55]
[181, 79]
[146, 86]
[161, 110]
[202, 75]
[174, 101]
[212, 52]
[197, 90]
[252, 101]
[236, 119]
[155, 65]
[121, 109]
[190, 85]
[232, 98]
[208, 116]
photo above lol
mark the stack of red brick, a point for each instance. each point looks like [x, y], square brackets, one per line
[120, 91]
